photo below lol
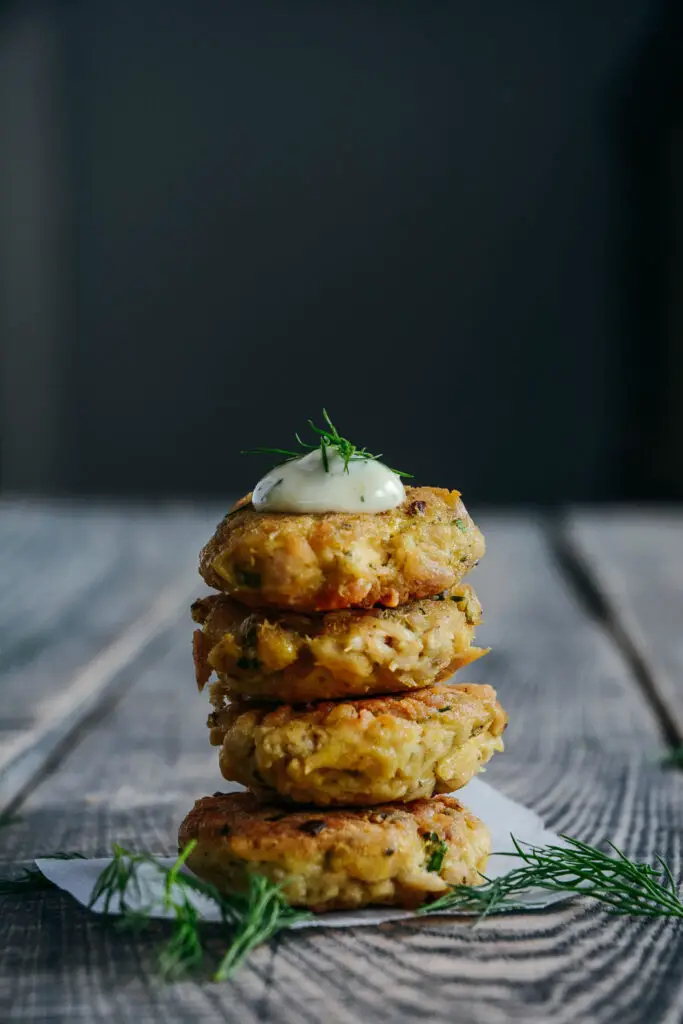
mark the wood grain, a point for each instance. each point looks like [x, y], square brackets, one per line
[85, 591]
[636, 562]
[582, 748]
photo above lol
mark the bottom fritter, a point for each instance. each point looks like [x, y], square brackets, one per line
[390, 855]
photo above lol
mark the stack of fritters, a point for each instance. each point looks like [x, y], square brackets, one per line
[330, 639]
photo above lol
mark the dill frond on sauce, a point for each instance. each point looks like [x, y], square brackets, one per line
[328, 438]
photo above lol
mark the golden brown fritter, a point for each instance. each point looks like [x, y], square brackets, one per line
[297, 658]
[397, 855]
[361, 752]
[321, 562]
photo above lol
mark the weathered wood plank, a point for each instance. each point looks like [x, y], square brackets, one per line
[581, 748]
[61, 965]
[85, 590]
[636, 561]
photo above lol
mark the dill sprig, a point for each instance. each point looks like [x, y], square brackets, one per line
[674, 758]
[611, 878]
[184, 950]
[328, 437]
[248, 919]
[435, 848]
[265, 912]
[28, 880]
[32, 879]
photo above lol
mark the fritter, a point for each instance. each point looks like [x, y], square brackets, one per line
[322, 562]
[338, 860]
[361, 752]
[296, 658]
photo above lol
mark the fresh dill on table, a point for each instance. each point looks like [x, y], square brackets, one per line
[674, 758]
[249, 919]
[28, 880]
[32, 879]
[328, 437]
[611, 878]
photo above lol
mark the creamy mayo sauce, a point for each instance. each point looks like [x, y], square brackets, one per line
[303, 485]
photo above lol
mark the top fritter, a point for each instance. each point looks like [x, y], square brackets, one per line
[312, 562]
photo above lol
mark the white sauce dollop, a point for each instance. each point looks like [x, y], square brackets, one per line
[303, 485]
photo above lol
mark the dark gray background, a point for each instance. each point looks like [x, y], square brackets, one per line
[422, 215]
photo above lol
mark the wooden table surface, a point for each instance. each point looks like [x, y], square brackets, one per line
[103, 738]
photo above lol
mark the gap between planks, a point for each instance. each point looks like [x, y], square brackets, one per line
[90, 692]
[580, 578]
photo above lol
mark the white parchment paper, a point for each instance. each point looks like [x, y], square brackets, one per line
[502, 815]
